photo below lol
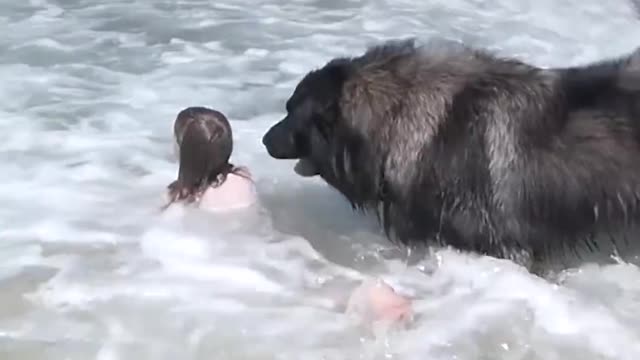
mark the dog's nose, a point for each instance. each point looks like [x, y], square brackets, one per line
[271, 142]
[271, 138]
[280, 143]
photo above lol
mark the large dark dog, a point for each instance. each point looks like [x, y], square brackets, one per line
[454, 146]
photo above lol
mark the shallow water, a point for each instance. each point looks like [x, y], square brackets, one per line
[90, 270]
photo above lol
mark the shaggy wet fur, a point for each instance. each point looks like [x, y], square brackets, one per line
[455, 146]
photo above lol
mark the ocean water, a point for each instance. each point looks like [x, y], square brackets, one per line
[90, 269]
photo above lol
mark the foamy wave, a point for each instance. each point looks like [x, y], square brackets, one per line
[90, 91]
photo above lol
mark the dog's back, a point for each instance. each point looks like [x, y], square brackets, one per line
[603, 83]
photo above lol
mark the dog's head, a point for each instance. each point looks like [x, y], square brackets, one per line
[313, 112]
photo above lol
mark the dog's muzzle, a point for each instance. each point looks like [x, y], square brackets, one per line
[280, 142]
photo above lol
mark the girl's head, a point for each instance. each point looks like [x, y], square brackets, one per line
[204, 140]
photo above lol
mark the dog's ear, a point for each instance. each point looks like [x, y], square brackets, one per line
[332, 78]
[328, 88]
[338, 70]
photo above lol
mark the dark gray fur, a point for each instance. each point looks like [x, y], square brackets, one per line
[455, 146]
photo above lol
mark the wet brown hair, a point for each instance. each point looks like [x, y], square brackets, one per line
[205, 143]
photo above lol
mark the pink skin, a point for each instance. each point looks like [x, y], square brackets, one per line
[376, 301]
[234, 193]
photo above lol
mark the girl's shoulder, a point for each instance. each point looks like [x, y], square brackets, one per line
[236, 191]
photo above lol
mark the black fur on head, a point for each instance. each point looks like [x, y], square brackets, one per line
[456, 146]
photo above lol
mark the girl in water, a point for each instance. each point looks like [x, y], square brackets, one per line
[206, 178]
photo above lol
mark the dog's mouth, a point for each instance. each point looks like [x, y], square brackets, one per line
[305, 168]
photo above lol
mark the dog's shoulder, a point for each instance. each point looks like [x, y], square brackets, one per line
[399, 72]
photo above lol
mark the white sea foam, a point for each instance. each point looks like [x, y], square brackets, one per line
[91, 270]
